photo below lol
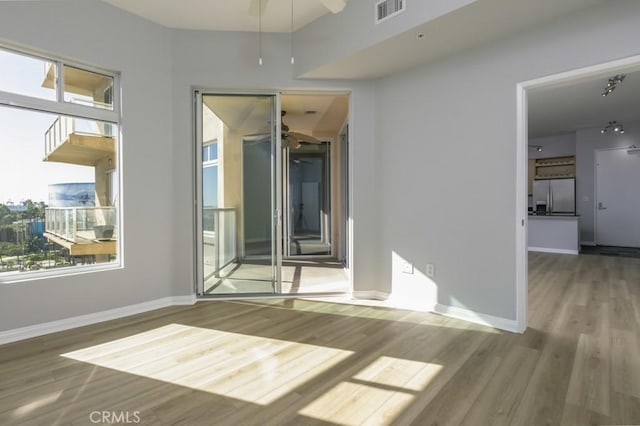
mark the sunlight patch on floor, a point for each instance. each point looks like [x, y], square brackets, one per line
[376, 394]
[250, 368]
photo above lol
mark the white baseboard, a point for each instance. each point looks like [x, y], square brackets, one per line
[450, 311]
[36, 330]
[588, 243]
[552, 250]
[370, 295]
[477, 318]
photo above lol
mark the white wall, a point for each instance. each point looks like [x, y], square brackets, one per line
[433, 151]
[553, 146]
[140, 50]
[588, 141]
[446, 139]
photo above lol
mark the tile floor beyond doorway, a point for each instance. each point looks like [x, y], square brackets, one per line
[304, 276]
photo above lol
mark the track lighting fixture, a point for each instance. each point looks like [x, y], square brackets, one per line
[612, 83]
[613, 125]
[537, 147]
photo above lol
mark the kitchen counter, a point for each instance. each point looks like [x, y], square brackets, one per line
[554, 216]
[554, 233]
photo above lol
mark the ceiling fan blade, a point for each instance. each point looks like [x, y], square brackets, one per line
[301, 137]
[254, 7]
[256, 137]
[292, 142]
[335, 6]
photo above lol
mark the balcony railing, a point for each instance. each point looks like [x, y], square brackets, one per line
[81, 224]
[219, 239]
[60, 130]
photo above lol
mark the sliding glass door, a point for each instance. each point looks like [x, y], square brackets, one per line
[270, 178]
[238, 188]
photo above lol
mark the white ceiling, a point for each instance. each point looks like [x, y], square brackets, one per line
[224, 15]
[470, 26]
[552, 110]
[480, 22]
[579, 104]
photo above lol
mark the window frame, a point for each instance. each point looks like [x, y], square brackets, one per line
[63, 108]
[206, 164]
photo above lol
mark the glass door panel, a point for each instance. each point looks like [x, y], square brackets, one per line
[237, 189]
[309, 199]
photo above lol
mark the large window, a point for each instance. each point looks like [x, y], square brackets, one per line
[59, 157]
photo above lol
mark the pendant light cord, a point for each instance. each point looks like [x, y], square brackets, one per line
[292, 57]
[260, 32]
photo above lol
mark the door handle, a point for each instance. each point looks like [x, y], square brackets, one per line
[601, 206]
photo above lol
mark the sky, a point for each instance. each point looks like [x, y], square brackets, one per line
[23, 174]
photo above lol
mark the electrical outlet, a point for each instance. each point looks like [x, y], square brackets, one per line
[431, 270]
[407, 267]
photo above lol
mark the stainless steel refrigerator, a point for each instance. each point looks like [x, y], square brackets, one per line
[554, 196]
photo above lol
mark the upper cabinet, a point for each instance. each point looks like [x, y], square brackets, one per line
[531, 174]
[555, 167]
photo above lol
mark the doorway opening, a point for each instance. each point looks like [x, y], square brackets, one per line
[270, 181]
[585, 119]
[308, 205]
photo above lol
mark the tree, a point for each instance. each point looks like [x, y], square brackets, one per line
[35, 210]
[35, 245]
[6, 216]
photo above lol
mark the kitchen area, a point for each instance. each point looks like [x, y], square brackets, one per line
[553, 223]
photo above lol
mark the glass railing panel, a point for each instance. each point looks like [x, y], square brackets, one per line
[219, 238]
[82, 224]
[64, 126]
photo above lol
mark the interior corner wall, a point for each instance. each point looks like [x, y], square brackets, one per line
[587, 142]
[228, 62]
[140, 51]
[446, 139]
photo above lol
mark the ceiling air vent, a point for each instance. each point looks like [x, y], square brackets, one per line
[385, 9]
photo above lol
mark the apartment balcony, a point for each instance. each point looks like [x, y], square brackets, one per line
[82, 230]
[76, 141]
[76, 80]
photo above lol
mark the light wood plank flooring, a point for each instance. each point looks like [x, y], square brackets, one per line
[301, 362]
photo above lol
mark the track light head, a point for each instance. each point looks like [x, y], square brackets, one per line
[611, 84]
[613, 125]
[608, 90]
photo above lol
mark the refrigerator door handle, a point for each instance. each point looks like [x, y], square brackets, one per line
[550, 200]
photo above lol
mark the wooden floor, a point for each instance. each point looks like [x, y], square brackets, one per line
[316, 363]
